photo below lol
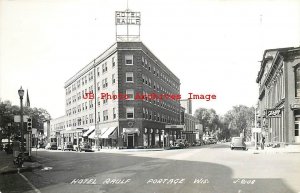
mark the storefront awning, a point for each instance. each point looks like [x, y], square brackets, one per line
[92, 135]
[71, 131]
[114, 134]
[131, 130]
[108, 132]
[89, 131]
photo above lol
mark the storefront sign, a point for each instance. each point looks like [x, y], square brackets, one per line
[273, 113]
[174, 126]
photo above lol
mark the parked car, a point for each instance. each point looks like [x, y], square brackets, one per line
[85, 147]
[68, 146]
[52, 146]
[181, 143]
[41, 145]
[237, 142]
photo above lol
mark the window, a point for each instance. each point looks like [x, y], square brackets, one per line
[104, 83]
[114, 113]
[113, 78]
[144, 113]
[129, 59]
[91, 118]
[297, 81]
[129, 112]
[104, 67]
[129, 76]
[98, 86]
[105, 115]
[130, 94]
[98, 72]
[113, 62]
[105, 101]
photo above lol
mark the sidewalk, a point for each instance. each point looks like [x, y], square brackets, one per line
[271, 150]
[7, 166]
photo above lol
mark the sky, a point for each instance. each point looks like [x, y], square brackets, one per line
[212, 46]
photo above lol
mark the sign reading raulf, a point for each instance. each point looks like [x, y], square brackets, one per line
[128, 18]
[273, 113]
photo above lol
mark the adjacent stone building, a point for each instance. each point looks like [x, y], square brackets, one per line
[279, 95]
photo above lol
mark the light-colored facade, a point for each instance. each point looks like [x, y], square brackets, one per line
[125, 69]
[190, 132]
[56, 127]
[187, 105]
[279, 95]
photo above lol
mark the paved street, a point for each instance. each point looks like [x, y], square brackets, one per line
[213, 168]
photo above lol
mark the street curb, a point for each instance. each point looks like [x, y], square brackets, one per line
[24, 169]
[270, 152]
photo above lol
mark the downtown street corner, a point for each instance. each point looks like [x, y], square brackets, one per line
[128, 127]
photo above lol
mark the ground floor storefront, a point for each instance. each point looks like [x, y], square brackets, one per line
[123, 134]
[281, 125]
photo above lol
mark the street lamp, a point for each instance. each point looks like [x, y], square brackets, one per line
[21, 94]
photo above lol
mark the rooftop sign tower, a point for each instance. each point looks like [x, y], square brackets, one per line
[128, 25]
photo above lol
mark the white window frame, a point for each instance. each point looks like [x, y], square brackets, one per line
[130, 92]
[128, 57]
[127, 75]
[130, 110]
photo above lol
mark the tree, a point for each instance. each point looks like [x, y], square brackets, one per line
[208, 118]
[239, 120]
[224, 131]
[7, 112]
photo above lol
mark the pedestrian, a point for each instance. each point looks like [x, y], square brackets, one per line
[262, 144]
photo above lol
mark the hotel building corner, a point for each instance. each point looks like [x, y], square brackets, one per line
[125, 68]
[279, 95]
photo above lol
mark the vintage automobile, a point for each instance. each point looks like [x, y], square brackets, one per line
[85, 147]
[237, 142]
[181, 143]
[68, 146]
[51, 146]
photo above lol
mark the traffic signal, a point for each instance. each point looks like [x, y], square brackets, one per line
[29, 124]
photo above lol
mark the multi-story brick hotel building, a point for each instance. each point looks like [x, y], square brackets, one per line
[131, 69]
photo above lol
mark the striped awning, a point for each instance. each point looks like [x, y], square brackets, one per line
[89, 131]
[108, 132]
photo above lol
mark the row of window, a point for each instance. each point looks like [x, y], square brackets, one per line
[128, 61]
[131, 96]
[90, 76]
[153, 115]
[147, 114]
[161, 75]
[276, 92]
[156, 86]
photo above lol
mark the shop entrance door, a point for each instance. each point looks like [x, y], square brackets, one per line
[130, 141]
[297, 136]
